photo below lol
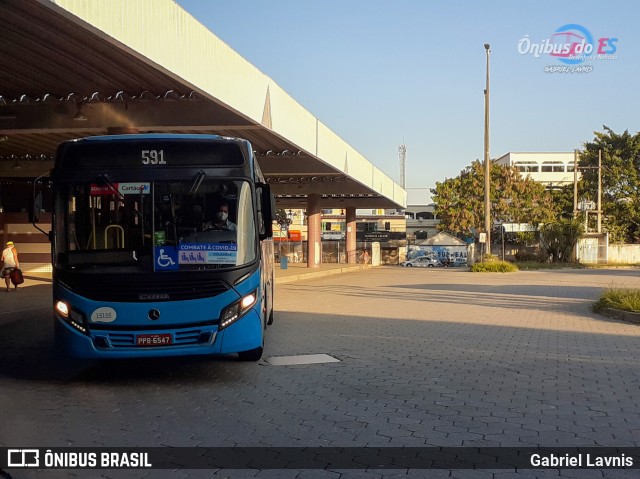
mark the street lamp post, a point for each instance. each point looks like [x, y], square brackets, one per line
[487, 161]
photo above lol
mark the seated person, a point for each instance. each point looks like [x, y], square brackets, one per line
[221, 221]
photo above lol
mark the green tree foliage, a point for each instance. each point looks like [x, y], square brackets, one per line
[620, 182]
[283, 220]
[460, 200]
[563, 201]
[557, 239]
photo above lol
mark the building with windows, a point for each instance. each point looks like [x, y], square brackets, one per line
[420, 214]
[555, 170]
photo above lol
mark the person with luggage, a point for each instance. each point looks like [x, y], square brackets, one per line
[365, 258]
[9, 263]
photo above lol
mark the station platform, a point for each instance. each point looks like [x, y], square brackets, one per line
[294, 271]
[298, 271]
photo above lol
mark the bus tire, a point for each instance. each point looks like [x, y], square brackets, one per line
[251, 355]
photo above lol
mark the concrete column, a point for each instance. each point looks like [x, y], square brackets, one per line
[314, 228]
[350, 218]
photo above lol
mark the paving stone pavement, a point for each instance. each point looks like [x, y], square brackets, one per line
[439, 357]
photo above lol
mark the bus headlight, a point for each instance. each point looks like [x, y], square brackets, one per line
[71, 316]
[235, 311]
[62, 309]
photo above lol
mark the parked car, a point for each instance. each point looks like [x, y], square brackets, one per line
[422, 262]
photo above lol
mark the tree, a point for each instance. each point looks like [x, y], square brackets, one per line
[620, 182]
[514, 199]
[283, 220]
[558, 239]
[563, 201]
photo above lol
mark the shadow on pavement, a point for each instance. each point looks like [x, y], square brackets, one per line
[27, 352]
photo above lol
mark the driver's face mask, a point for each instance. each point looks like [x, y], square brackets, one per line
[223, 215]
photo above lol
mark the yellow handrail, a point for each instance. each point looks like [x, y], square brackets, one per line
[118, 237]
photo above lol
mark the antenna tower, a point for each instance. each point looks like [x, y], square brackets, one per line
[402, 153]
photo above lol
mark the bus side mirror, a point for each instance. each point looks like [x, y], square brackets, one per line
[266, 208]
[37, 207]
[34, 212]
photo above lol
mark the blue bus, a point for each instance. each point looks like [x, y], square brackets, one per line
[161, 246]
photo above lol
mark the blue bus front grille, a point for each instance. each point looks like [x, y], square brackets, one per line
[120, 340]
[185, 337]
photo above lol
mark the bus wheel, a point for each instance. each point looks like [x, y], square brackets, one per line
[251, 355]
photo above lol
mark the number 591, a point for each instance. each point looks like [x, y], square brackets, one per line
[153, 157]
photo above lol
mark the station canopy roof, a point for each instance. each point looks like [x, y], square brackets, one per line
[75, 68]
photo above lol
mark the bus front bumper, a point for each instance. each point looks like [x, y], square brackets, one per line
[243, 335]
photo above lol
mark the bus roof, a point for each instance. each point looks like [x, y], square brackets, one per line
[133, 150]
[155, 136]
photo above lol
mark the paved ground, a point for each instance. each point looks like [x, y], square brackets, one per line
[432, 357]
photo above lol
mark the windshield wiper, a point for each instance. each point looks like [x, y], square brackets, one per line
[197, 181]
[172, 203]
[105, 179]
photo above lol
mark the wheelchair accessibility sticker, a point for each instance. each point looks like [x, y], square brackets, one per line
[166, 258]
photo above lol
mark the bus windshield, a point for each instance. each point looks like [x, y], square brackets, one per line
[168, 225]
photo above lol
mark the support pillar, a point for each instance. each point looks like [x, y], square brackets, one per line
[350, 218]
[314, 228]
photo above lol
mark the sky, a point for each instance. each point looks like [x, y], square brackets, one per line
[380, 73]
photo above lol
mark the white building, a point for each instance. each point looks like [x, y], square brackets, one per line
[552, 169]
[420, 213]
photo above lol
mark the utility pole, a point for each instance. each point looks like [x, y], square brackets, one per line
[487, 161]
[599, 191]
[584, 204]
[575, 184]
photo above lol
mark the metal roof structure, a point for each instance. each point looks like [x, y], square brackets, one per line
[72, 68]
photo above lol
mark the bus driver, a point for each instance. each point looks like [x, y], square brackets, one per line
[221, 221]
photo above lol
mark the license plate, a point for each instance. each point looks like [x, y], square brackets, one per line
[153, 339]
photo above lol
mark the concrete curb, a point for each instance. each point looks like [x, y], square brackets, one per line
[38, 273]
[620, 314]
[317, 274]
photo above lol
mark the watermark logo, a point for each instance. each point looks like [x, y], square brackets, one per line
[23, 458]
[572, 45]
